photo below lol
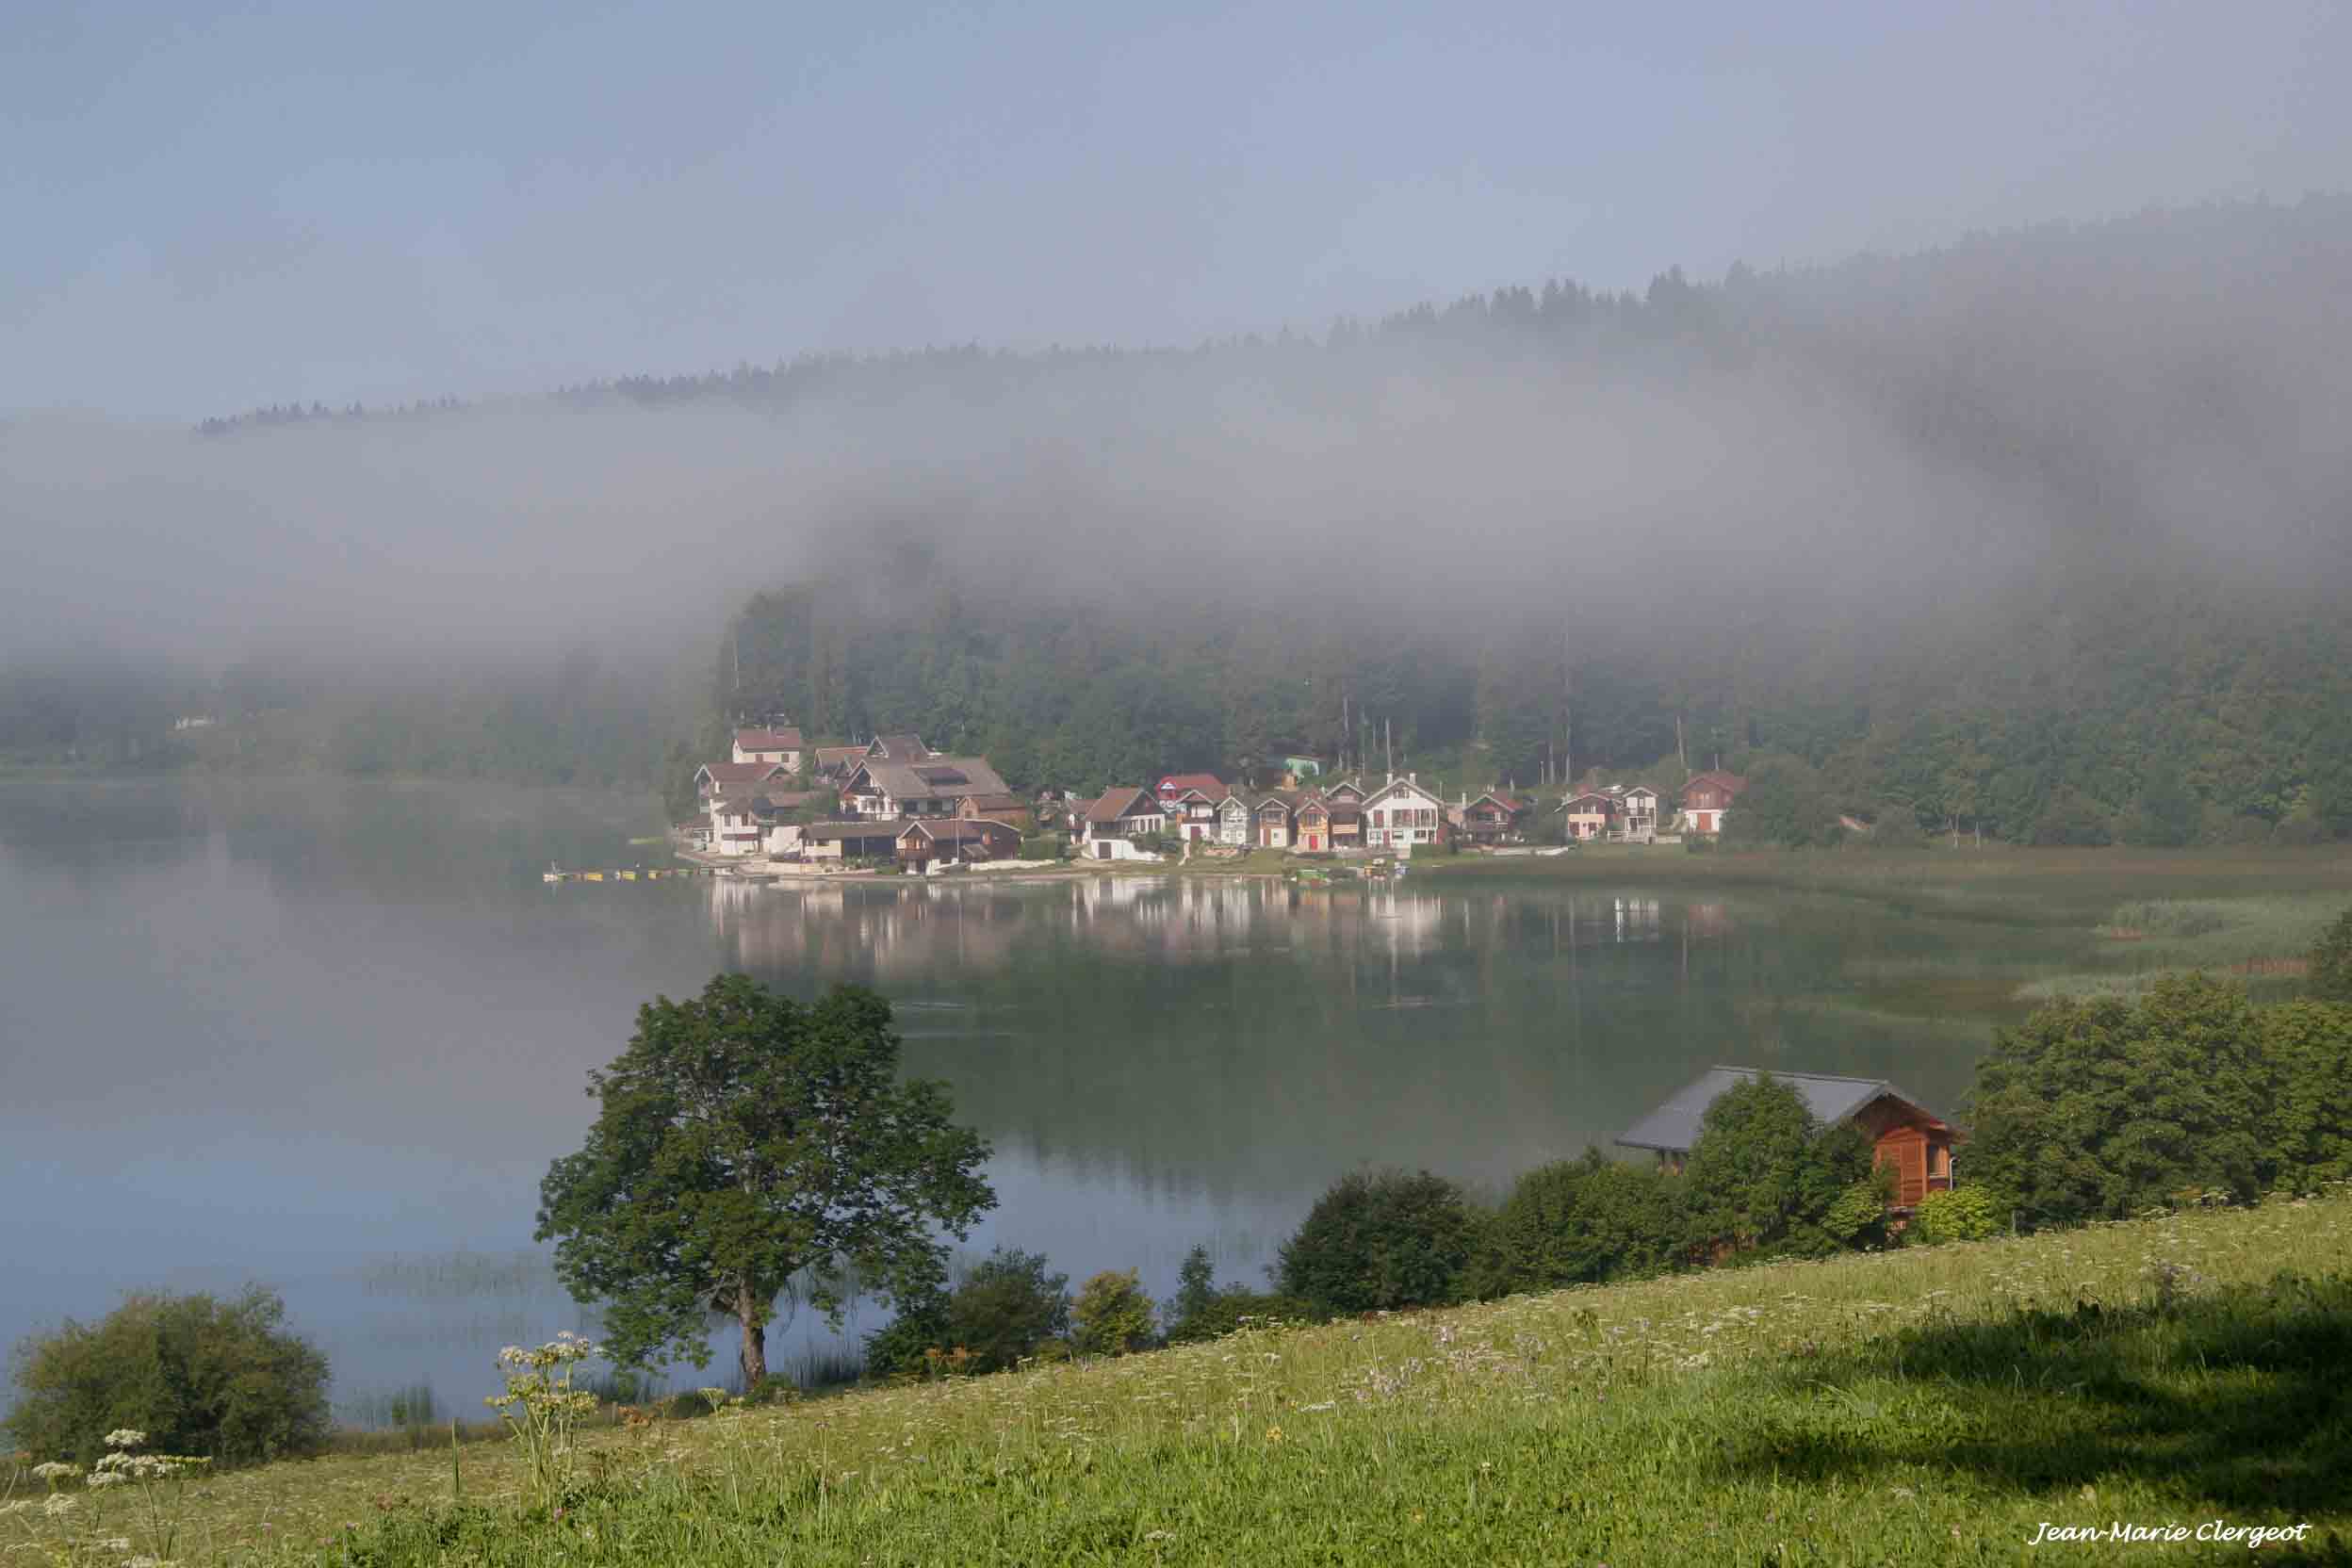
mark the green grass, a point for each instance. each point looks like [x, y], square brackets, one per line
[1917, 1407]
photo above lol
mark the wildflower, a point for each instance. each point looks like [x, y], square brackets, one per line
[1273, 1434]
[59, 1504]
[123, 1437]
[56, 1470]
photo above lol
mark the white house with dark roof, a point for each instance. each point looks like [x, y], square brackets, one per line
[714, 778]
[1401, 816]
[783, 748]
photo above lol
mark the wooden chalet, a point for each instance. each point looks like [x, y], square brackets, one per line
[1592, 815]
[954, 841]
[1233, 822]
[1311, 825]
[1707, 797]
[1492, 818]
[1271, 817]
[1344, 803]
[836, 764]
[1638, 808]
[1915, 1141]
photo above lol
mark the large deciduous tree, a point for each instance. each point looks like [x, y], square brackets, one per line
[2099, 1109]
[744, 1138]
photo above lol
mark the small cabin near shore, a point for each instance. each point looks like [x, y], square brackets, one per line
[1915, 1141]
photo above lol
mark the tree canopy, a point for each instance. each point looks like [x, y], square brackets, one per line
[748, 1145]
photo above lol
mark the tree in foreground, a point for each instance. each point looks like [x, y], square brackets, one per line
[745, 1140]
[1581, 1221]
[2099, 1109]
[1112, 1314]
[1377, 1241]
[196, 1373]
[1765, 1176]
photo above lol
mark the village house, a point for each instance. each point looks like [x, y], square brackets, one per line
[1272, 816]
[1008, 809]
[1311, 825]
[1638, 813]
[899, 748]
[1122, 814]
[1591, 816]
[1707, 798]
[713, 778]
[1174, 786]
[1491, 819]
[744, 822]
[954, 841]
[929, 789]
[1400, 815]
[1344, 803]
[1192, 816]
[1232, 821]
[783, 748]
[1905, 1136]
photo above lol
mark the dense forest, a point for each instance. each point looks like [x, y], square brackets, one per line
[2041, 535]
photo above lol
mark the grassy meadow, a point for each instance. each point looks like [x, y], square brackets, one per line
[1927, 1406]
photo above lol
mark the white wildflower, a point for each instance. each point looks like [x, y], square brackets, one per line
[56, 1470]
[123, 1437]
[59, 1504]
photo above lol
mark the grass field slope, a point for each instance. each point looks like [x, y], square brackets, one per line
[1926, 1406]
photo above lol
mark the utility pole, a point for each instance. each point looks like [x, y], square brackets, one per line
[1567, 714]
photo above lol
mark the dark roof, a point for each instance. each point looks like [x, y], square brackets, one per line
[740, 772]
[899, 748]
[1675, 1126]
[1119, 800]
[1007, 801]
[943, 778]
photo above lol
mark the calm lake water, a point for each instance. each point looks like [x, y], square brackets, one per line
[328, 1036]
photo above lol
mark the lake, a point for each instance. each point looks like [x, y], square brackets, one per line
[327, 1034]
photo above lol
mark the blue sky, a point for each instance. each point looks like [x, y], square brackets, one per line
[210, 207]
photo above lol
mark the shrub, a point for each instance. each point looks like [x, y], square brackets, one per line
[2331, 962]
[1113, 1316]
[1764, 1175]
[902, 1348]
[1961, 1214]
[1042, 846]
[1897, 827]
[198, 1374]
[1006, 1309]
[1379, 1241]
[1581, 1221]
[1195, 1286]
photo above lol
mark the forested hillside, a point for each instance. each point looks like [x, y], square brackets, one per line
[2042, 535]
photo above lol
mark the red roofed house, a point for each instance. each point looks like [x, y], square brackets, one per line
[1171, 789]
[781, 746]
[1706, 797]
